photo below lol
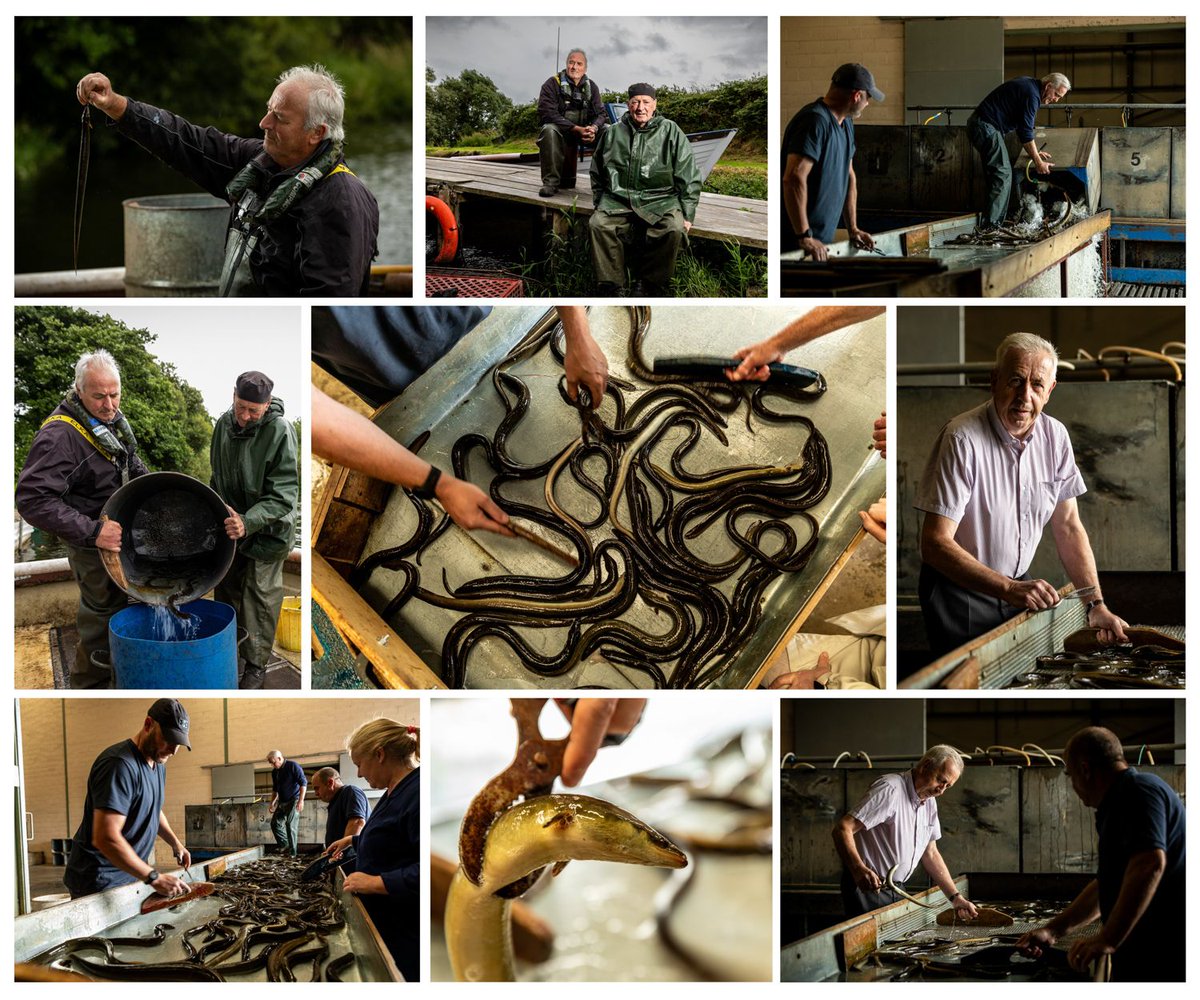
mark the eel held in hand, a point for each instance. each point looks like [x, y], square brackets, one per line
[544, 830]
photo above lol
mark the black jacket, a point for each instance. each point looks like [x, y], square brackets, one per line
[65, 482]
[323, 246]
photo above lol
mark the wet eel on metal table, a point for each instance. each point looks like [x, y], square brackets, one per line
[654, 511]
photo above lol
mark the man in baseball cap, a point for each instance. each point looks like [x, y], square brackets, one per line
[820, 189]
[123, 812]
[254, 471]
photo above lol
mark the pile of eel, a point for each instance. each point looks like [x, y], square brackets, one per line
[649, 510]
[1151, 659]
[270, 924]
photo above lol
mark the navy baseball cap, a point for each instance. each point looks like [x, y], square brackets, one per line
[856, 76]
[173, 719]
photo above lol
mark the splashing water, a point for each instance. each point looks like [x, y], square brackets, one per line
[168, 627]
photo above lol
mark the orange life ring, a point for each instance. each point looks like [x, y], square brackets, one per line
[448, 246]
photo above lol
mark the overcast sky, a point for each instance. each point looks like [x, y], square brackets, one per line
[211, 347]
[518, 52]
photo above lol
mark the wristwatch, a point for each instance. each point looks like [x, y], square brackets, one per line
[807, 234]
[1092, 604]
[151, 877]
[428, 489]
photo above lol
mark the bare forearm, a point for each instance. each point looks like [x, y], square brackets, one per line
[168, 835]
[851, 206]
[843, 842]
[1084, 909]
[349, 439]
[935, 866]
[121, 854]
[795, 199]
[953, 561]
[354, 827]
[1075, 553]
[820, 321]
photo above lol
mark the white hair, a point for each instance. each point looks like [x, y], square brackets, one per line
[326, 98]
[1056, 80]
[1026, 343]
[96, 359]
[275, 753]
[580, 51]
[936, 756]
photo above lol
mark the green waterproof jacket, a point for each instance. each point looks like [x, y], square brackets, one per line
[254, 471]
[649, 170]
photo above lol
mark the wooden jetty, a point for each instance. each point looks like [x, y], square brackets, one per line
[456, 178]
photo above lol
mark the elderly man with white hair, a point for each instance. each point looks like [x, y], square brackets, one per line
[998, 474]
[1011, 107]
[895, 828]
[82, 454]
[301, 223]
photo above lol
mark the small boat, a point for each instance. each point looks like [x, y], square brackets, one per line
[707, 147]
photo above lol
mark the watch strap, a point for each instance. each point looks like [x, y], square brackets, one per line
[428, 489]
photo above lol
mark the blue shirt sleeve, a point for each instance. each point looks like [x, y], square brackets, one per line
[111, 786]
[814, 139]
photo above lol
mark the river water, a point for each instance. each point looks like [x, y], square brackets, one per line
[380, 155]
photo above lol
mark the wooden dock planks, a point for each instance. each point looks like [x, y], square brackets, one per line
[719, 217]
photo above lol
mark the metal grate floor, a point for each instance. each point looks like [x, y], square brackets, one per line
[1136, 290]
[453, 283]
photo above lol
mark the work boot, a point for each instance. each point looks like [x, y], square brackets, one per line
[606, 289]
[252, 678]
[547, 191]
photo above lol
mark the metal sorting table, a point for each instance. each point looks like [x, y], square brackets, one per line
[603, 913]
[456, 397]
[971, 270]
[997, 658]
[820, 957]
[116, 913]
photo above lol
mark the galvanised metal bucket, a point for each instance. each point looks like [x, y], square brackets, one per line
[174, 244]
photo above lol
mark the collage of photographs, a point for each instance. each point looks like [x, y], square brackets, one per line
[581, 508]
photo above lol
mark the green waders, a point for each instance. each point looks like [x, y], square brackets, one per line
[285, 825]
[99, 600]
[989, 144]
[254, 588]
[615, 235]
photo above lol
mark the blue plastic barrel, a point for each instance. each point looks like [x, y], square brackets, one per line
[142, 660]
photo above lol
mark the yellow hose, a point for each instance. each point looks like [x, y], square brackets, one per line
[1088, 356]
[1049, 756]
[1165, 359]
[1013, 750]
[863, 755]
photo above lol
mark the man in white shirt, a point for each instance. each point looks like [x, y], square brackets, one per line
[893, 829]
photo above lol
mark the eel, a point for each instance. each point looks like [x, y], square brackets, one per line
[542, 830]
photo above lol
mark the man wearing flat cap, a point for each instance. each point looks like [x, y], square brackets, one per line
[255, 473]
[123, 812]
[819, 186]
[645, 188]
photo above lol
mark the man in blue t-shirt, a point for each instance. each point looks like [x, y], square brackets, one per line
[818, 164]
[1140, 885]
[123, 812]
[289, 785]
[1011, 107]
[348, 809]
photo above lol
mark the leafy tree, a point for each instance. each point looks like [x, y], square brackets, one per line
[166, 413]
[460, 105]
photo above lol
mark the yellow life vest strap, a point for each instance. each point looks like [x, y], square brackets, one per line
[341, 168]
[88, 436]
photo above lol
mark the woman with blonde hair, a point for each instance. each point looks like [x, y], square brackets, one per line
[387, 874]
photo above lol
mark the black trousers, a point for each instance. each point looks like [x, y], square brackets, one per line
[953, 615]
